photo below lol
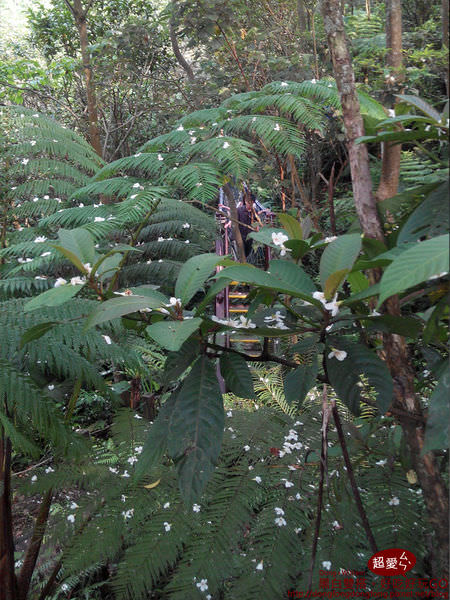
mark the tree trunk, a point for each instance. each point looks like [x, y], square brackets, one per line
[179, 56]
[444, 13]
[358, 155]
[301, 15]
[392, 153]
[234, 223]
[396, 350]
[8, 582]
[80, 15]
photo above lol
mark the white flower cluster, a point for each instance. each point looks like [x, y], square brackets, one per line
[275, 321]
[242, 323]
[278, 239]
[332, 306]
[290, 443]
[280, 520]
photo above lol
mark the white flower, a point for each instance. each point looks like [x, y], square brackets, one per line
[32, 142]
[330, 239]
[257, 479]
[59, 282]
[180, 128]
[137, 155]
[49, 470]
[46, 197]
[193, 140]
[126, 292]
[375, 313]
[138, 449]
[132, 460]
[125, 474]
[332, 306]
[34, 478]
[73, 506]
[278, 510]
[25, 161]
[40, 239]
[229, 413]
[381, 463]
[98, 219]
[186, 225]
[284, 84]
[71, 518]
[226, 145]
[88, 267]
[246, 323]
[339, 354]
[313, 80]
[167, 526]
[277, 127]
[113, 470]
[246, 448]
[336, 524]
[394, 501]
[196, 508]
[202, 585]
[280, 521]
[35, 199]
[278, 238]
[166, 505]
[288, 484]
[260, 566]
[136, 185]
[160, 157]
[107, 339]
[176, 302]
[77, 280]
[326, 564]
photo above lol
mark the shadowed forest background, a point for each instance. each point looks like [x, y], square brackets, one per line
[195, 406]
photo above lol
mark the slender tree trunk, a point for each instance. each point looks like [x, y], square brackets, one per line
[444, 14]
[80, 15]
[392, 153]
[396, 350]
[301, 15]
[234, 223]
[179, 56]
[8, 582]
[354, 126]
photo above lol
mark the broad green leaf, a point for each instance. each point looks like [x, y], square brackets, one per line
[344, 375]
[177, 362]
[358, 282]
[286, 279]
[193, 275]
[123, 305]
[417, 264]
[212, 294]
[421, 105]
[34, 333]
[406, 326]
[109, 266]
[196, 429]
[299, 248]
[434, 320]
[171, 334]
[297, 383]
[72, 257]
[291, 225]
[237, 375]
[333, 282]
[340, 254]
[292, 276]
[373, 290]
[156, 444]
[53, 297]
[436, 432]
[431, 217]
[79, 242]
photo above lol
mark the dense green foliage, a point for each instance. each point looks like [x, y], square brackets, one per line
[175, 465]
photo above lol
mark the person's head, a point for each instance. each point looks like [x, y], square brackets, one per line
[248, 199]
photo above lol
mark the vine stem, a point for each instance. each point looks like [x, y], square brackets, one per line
[356, 494]
[323, 469]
